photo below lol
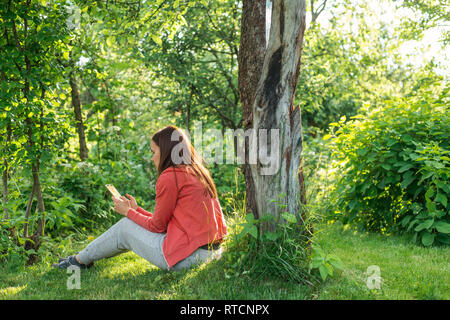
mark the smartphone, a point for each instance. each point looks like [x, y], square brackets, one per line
[113, 190]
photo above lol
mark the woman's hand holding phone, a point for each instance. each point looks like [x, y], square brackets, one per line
[132, 201]
[121, 206]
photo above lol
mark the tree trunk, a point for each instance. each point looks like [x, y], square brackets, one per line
[250, 59]
[188, 111]
[33, 153]
[27, 213]
[5, 175]
[272, 108]
[35, 243]
[40, 205]
[5, 187]
[78, 117]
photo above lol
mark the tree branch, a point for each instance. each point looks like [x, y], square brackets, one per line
[16, 38]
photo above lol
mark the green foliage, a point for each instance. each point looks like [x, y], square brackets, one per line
[325, 263]
[393, 168]
[230, 187]
[282, 251]
[11, 243]
[197, 60]
[425, 15]
[351, 59]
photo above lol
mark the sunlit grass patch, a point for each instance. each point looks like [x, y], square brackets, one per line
[10, 292]
[407, 271]
[123, 266]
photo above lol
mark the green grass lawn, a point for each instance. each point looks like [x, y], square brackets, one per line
[407, 271]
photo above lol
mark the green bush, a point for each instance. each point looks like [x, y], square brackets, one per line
[392, 168]
[282, 252]
[230, 184]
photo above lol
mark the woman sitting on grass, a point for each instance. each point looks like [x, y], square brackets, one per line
[187, 224]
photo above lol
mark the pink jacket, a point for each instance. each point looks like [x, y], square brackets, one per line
[188, 214]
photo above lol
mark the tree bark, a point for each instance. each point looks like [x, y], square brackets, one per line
[27, 213]
[5, 187]
[5, 176]
[78, 116]
[188, 111]
[40, 203]
[272, 107]
[250, 60]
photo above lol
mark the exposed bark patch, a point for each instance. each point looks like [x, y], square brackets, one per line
[293, 111]
[281, 21]
[288, 155]
[272, 85]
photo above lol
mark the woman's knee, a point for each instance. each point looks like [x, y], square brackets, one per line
[123, 229]
[124, 222]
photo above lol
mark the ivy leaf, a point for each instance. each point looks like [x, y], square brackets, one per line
[317, 262]
[443, 238]
[440, 197]
[289, 217]
[424, 225]
[253, 231]
[336, 262]
[272, 236]
[405, 167]
[407, 179]
[428, 239]
[442, 227]
[323, 272]
[405, 220]
[250, 218]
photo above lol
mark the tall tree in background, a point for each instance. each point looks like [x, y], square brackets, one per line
[76, 103]
[267, 82]
[33, 36]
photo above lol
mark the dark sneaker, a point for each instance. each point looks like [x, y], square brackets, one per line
[70, 261]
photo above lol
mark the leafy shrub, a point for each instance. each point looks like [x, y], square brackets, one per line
[84, 182]
[282, 252]
[325, 263]
[10, 244]
[393, 167]
[230, 186]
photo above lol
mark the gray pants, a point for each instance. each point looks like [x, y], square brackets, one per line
[126, 235]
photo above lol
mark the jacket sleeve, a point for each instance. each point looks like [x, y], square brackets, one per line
[144, 212]
[166, 196]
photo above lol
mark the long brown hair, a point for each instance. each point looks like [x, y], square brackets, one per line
[189, 157]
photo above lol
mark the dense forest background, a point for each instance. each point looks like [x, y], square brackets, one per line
[85, 84]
